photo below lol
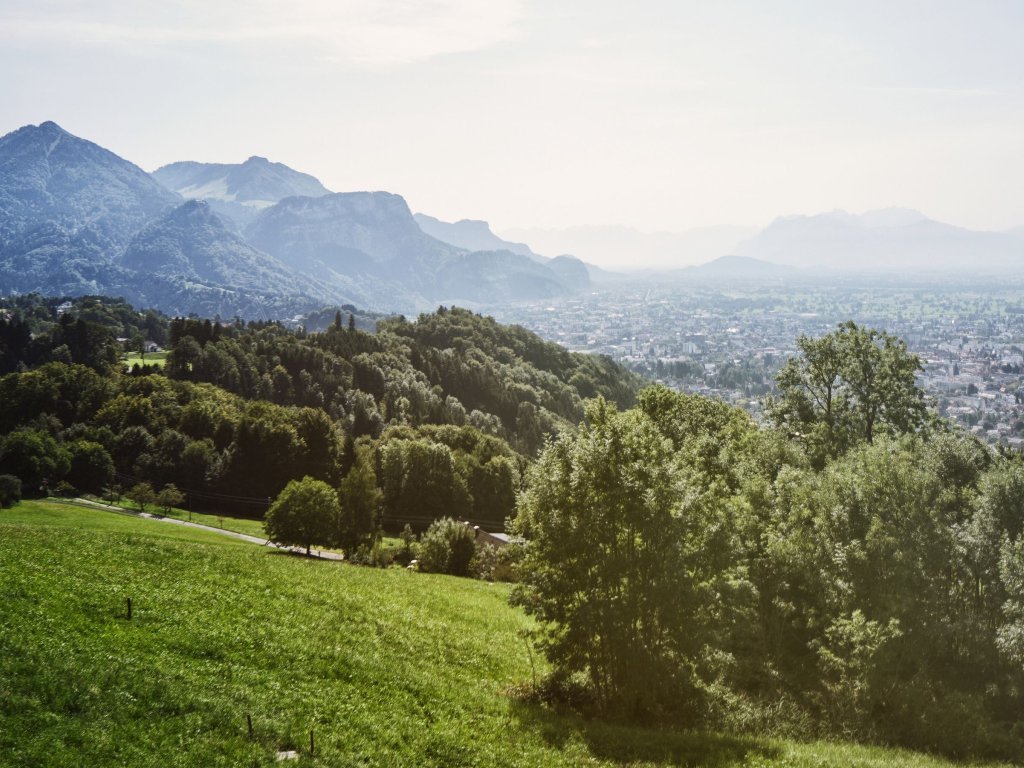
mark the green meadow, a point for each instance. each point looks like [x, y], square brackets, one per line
[158, 359]
[386, 667]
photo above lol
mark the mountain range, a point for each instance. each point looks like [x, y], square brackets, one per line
[260, 239]
[471, 234]
[886, 240]
[628, 249]
[238, 191]
[255, 238]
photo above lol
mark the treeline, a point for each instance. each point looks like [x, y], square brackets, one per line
[241, 409]
[449, 367]
[853, 568]
[35, 330]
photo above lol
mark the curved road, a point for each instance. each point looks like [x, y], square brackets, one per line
[233, 534]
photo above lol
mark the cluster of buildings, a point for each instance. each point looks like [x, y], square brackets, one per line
[730, 343]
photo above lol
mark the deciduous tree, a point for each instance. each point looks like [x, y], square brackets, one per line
[305, 513]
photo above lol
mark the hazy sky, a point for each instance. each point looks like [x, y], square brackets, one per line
[657, 115]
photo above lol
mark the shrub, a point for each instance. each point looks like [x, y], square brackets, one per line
[376, 556]
[447, 546]
[10, 491]
[407, 552]
[498, 563]
[65, 490]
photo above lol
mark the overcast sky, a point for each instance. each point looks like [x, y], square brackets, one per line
[656, 115]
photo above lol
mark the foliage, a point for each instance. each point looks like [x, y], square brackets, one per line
[142, 494]
[168, 497]
[847, 387]
[10, 491]
[625, 566]
[407, 552]
[305, 513]
[35, 457]
[91, 467]
[447, 546]
[878, 597]
[244, 408]
[397, 670]
[359, 521]
[493, 563]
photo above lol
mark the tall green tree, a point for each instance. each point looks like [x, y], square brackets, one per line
[847, 387]
[35, 457]
[624, 568]
[359, 521]
[305, 513]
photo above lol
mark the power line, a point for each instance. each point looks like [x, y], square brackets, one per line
[204, 494]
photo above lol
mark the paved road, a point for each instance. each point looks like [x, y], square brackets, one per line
[233, 534]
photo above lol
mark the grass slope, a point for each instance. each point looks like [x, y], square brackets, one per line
[224, 522]
[387, 667]
[158, 359]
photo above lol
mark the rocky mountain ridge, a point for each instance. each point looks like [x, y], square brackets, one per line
[76, 218]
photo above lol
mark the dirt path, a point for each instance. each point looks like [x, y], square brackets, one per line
[233, 534]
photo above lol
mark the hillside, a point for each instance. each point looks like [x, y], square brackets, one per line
[453, 400]
[191, 247]
[386, 667]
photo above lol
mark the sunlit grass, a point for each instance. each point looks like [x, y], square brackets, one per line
[213, 520]
[158, 359]
[387, 667]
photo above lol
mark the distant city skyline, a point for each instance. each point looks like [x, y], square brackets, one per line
[665, 116]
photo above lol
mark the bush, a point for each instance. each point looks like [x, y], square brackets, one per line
[407, 552]
[447, 546]
[376, 556]
[65, 490]
[10, 491]
[498, 563]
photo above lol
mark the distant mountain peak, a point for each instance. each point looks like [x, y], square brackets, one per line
[239, 190]
[884, 240]
[471, 234]
[49, 127]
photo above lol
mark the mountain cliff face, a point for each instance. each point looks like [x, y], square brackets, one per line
[352, 232]
[238, 191]
[67, 209]
[369, 245]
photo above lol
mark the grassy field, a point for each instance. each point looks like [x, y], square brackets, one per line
[225, 522]
[152, 358]
[387, 667]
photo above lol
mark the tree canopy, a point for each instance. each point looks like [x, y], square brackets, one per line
[683, 562]
[846, 388]
[305, 513]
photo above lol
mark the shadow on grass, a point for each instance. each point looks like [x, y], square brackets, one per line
[301, 555]
[625, 743]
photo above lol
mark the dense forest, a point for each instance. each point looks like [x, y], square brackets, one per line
[451, 406]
